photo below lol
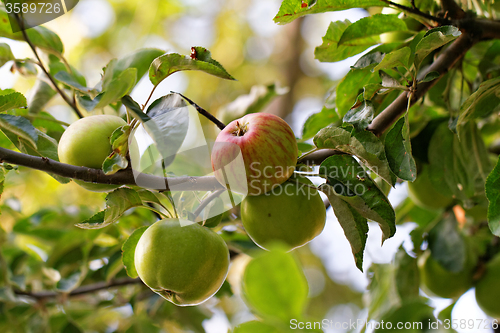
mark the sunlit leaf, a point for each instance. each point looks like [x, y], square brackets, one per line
[5, 54]
[167, 64]
[274, 285]
[331, 51]
[117, 203]
[293, 9]
[367, 30]
[128, 251]
[434, 39]
[11, 99]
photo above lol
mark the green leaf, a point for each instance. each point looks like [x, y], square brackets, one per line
[293, 9]
[382, 293]
[360, 115]
[374, 56]
[19, 126]
[447, 245]
[492, 185]
[117, 160]
[398, 151]
[212, 214]
[363, 144]
[274, 285]
[348, 88]
[389, 82]
[40, 36]
[56, 66]
[69, 80]
[255, 326]
[5, 54]
[355, 226]
[11, 99]
[25, 67]
[350, 180]
[118, 87]
[416, 312]
[45, 146]
[434, 39]
[87, 102]
[406, 275]
[114, 163]
[367, 31]
[395, 58]
[43, 93]
[318, 121]
[128, 251]
[482, 102]
[117, 202]
[331, 51]
[140, 59]
[167, 64]
[453, 168]
[430, 77]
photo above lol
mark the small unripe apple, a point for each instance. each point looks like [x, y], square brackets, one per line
[254, 154]
[292, 213]
[86, 143]
[424, 194]
[488, 289]
[182, 261]
[438, 281]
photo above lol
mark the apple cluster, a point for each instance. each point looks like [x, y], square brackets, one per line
[184, 262]
[278, 207]
[436, 280]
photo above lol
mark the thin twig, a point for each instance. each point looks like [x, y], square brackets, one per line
[418, 12]
[149, 97]
[203, 112]
[446, 60]
[206, 201]
[40, 63]
[81, 290]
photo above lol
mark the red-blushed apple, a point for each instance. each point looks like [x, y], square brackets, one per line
[254, 154]
[86, 143]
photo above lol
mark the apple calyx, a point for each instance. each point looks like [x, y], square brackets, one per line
[240, 130]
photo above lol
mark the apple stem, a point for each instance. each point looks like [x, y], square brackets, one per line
[241, 129]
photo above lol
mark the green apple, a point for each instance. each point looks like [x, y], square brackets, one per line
[438, 281]
[267, 148]
[292, 213]
[86, 143]
[424, 194]
[182, 261]
[488, 289]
